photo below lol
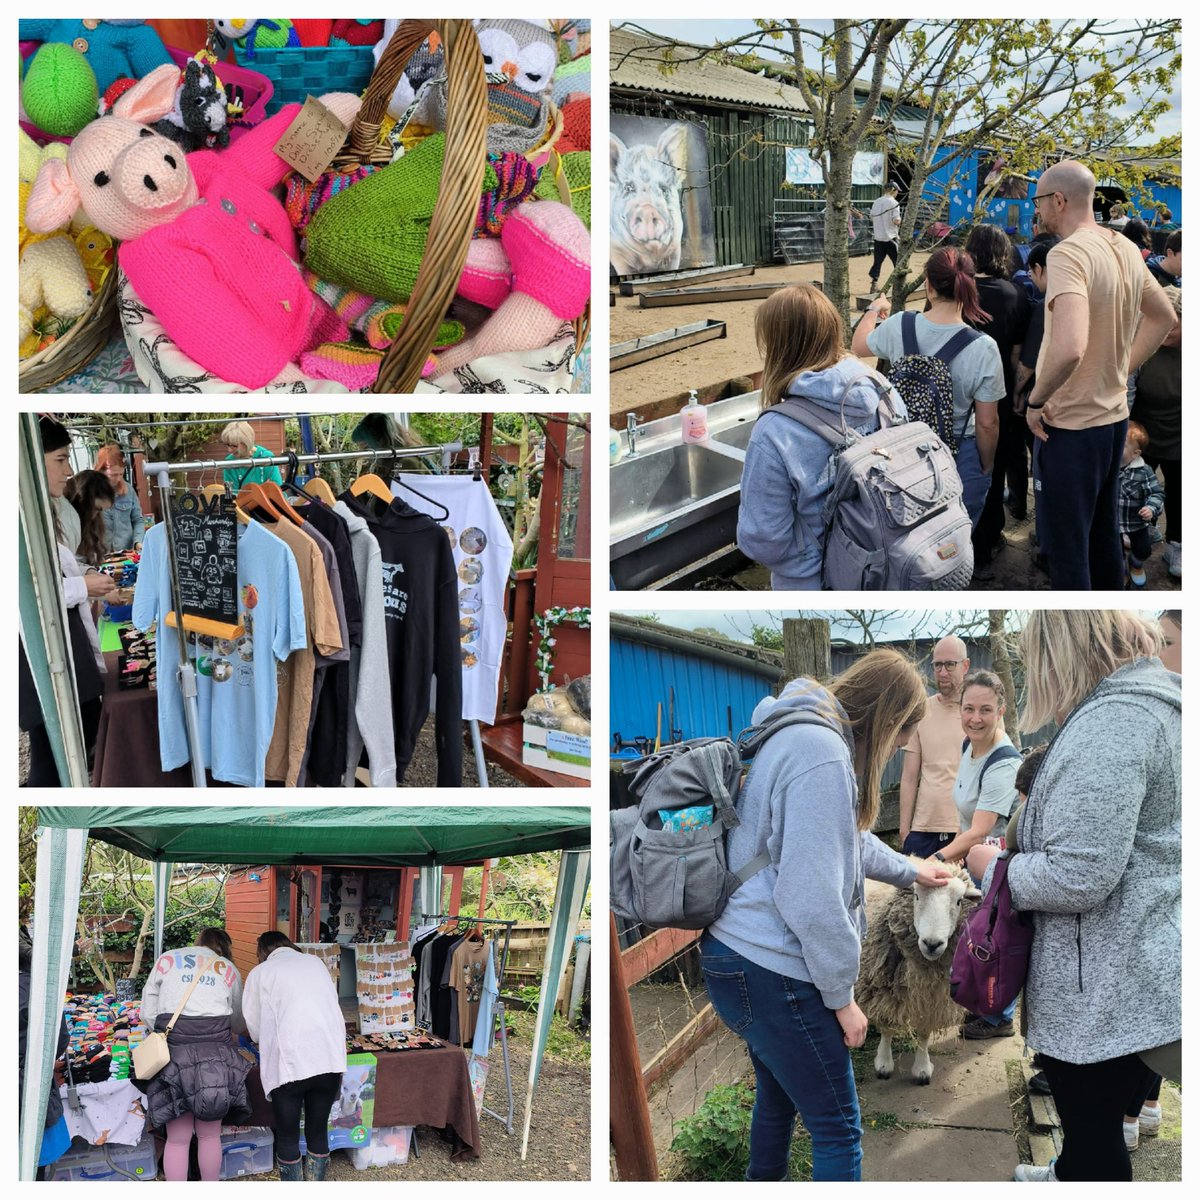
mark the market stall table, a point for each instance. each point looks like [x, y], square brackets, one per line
[412, 1087]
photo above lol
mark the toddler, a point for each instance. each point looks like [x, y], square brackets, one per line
[1142, 500]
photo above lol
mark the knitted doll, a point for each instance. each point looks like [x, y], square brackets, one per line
[111, 48]
[204, 242]
[549, 249]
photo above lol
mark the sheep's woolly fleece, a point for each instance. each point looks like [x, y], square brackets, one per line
[898, 989]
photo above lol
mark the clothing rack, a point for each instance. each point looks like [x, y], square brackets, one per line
[161, 473]
[506, 1119]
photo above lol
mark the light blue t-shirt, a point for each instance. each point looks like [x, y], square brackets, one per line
[977, 372]
[237, 689]
[487, 1003]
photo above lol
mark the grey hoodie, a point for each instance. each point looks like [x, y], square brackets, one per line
[803, 916]
[1100, 868]
[370, 684]
[787, 474]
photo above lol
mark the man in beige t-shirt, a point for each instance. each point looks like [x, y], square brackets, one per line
[1104, 317]
[928, 817]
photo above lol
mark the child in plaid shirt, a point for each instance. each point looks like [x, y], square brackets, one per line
[1141, 502]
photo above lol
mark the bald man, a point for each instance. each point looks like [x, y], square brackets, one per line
[1104, 317]
[928, 817]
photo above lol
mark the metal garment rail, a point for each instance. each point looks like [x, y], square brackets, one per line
[506, 1121]
[161, 472]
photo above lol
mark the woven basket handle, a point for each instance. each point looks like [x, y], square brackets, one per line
[453, 219]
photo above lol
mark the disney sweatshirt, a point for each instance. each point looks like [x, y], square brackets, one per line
[218, 994]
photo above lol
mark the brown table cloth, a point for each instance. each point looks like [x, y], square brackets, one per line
[412, 1087]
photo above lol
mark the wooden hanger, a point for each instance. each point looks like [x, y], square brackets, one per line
[279, 501]
[316, 486]
[251, 496]
[374, 485]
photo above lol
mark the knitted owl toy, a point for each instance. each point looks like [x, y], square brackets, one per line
[204, 242]
[111, 48]
[519, 58]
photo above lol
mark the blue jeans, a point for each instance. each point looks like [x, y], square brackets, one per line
[800, 1061]
[975, 480]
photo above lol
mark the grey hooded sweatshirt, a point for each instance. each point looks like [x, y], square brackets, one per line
[1100, 868]
[370, 685]
[803, 916]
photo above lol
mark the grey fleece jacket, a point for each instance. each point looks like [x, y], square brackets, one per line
[1100, 868]
[803, 916]
[370, 684]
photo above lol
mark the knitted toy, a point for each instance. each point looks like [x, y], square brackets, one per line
[205, 244]
[377, 320]
[427, 62]
[95, 252]
[313, 31]
[356, 32]
[577, 126]
[256, 32]
[111, 48]
[199, 117]
[519, 58]
[573, 79]
[576, 169]
[113, 93]
[59, 91]
[550, 251]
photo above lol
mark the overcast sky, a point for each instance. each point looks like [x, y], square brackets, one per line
[706, 32]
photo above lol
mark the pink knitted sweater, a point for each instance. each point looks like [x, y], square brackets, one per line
[222, 277]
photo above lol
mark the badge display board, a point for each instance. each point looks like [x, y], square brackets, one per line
[205, 537]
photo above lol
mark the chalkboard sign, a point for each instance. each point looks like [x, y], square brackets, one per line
[127, 990]
[206, 553]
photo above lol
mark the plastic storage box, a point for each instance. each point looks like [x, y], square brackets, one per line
[388, 1147]
[111, 1162]
[246, 1150]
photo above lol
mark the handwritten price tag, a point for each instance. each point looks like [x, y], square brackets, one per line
[312, 140]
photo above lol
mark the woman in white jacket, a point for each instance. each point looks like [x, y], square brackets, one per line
[292, 1012]
[78, 590]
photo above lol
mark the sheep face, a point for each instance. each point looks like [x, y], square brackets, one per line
[937, 913]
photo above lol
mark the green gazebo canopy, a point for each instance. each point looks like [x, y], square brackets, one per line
[361, 835]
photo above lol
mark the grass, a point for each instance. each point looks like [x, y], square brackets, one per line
[563, 1044]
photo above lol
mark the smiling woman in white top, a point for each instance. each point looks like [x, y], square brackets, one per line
[292, 1012]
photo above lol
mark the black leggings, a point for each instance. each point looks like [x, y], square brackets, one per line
[315, 1097]
[1172, 473]
[1149, 1093]
[1092, 1099]
[43, 772]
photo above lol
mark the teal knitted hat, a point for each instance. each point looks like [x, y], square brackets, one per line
[59, 91]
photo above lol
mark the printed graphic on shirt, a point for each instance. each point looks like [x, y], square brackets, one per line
[470, 600]
[470, 570]
[451, 535]
[473, 541]
[395, 591]
[473, 981]
[221, 970]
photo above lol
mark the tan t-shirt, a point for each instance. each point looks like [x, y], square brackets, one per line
[939, 736]
[468, 967]
[1107, 270]
[295, 674]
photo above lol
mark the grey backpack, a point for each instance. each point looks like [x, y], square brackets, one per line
[679, 878]
[894, 517]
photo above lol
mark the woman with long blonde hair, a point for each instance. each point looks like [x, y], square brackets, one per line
[1100, 870]
[787, 475]
[781, 961]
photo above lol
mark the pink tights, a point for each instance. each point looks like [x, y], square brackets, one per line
[179, 1143]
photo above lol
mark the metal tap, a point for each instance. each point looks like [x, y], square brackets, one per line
[631, 424]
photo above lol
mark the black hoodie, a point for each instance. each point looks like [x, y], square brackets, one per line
[420, 595]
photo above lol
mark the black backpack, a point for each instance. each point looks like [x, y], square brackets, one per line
[924, 381]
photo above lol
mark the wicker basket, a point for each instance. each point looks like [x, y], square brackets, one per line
[453, 219]
[299, 71]
[78, 346]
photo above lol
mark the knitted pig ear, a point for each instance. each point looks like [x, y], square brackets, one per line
[53, 198]
[150, 98]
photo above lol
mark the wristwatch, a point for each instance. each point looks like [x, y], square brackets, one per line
[939, 856]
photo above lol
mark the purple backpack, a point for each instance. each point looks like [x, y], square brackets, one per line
[991, 959]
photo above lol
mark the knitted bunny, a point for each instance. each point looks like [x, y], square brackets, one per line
[204, 243]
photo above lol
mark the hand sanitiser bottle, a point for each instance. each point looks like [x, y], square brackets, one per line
[693, 418]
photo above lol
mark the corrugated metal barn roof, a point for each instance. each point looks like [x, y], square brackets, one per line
[634, 62]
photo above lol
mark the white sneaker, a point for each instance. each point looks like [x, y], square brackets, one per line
[1028, 1173]
[1131, 1135]
[1149, 1120]
[1173, 557]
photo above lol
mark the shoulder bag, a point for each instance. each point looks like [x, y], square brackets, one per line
[151, 1055]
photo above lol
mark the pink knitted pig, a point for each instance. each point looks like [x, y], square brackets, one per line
[205, 244]
[549, 251]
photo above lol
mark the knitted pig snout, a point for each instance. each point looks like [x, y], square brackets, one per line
[550, 251]
[152, 173]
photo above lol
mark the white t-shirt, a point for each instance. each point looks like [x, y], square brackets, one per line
[999, 793]
[885, 218]
[482, 557]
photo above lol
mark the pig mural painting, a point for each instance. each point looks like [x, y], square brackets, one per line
[660, 215]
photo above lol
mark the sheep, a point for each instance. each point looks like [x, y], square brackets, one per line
[904, 973]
